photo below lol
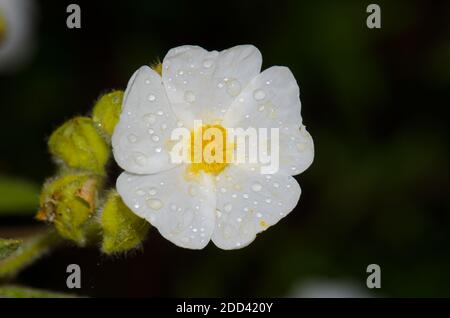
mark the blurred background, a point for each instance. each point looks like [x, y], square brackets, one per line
[374, 100]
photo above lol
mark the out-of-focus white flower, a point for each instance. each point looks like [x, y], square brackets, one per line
[17, 19]
[321, 288]
[191, 204]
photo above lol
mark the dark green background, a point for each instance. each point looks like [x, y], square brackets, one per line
[375, 102]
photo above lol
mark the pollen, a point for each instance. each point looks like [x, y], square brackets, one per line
[209, 150]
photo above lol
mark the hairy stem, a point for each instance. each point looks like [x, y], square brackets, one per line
[28, 252]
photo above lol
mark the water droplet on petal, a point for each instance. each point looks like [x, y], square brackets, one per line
[155, 138]
[154, 204]
[233, 87]
[149, 118]
[132, 138]
[140, 159]
[228, 207]
[259, 94]
[207, 63]
[256, 186]
[151, 97]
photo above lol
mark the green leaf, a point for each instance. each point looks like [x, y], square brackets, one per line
[13, 291]
[18, 196]
[7, 247]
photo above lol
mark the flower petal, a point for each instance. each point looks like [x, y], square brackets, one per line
[202, 84]
[179, 206]
[296, 150]
[249, 202]
[270, 100]
[141, 138]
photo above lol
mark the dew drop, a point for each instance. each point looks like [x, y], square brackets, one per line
[152, 191]
[158, 149]
[259, 95]
[256, 186]
[155, 138]
[207, 63]
[227, 207]
[154, 204]
[149, 118]
[132, 138]
[140, 159]
[233, 87]
[151, 97]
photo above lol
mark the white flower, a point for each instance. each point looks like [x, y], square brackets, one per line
[16, 33]
[227, 204]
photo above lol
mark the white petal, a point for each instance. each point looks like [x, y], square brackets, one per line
[249, 202]
[296, 150]
[202, 84]
[180, 207]
[272, 99]
[141, 138]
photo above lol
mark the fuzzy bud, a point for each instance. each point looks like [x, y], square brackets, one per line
[78, 145]
[69, 201]
[122, 229]
[107, 110]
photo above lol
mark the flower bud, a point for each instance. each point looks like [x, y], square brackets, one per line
[69, 202]
[78, 145]
[107, 110]
[122, 229]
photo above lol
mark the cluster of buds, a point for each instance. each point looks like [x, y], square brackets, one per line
[75, 201]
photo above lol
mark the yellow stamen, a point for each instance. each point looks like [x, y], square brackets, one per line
[209, 151]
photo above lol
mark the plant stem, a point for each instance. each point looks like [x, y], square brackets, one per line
[28, 252]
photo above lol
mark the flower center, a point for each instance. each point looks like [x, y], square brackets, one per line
[2, 27]
[209, 151]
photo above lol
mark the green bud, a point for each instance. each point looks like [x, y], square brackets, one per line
[122, 229]
[69, 202]
[107, 110]
[78, 145]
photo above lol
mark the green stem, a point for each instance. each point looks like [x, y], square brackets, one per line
[28, 252]
[12, 291]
